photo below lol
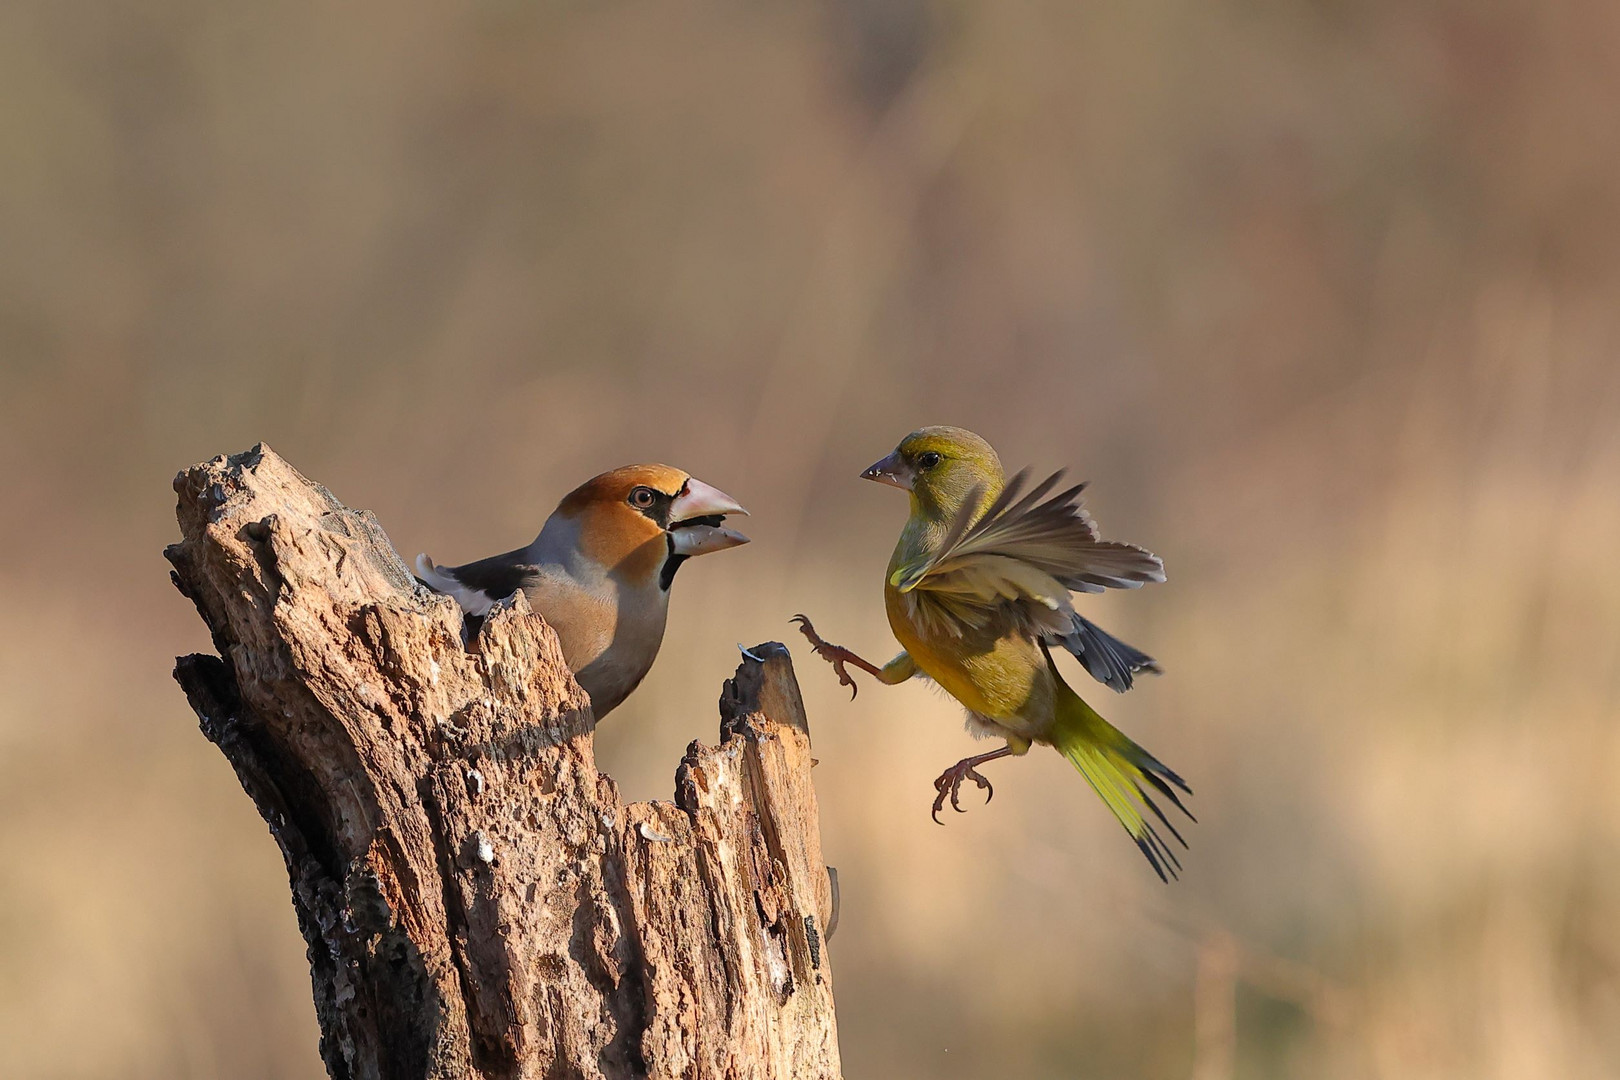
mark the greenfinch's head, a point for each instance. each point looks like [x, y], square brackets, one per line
[941, 467]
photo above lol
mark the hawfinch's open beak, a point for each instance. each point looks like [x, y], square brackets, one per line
[891, 470]
[698, 499]
[695, 519]
[702, 539]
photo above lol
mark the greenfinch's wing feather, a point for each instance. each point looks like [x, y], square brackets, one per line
[1027, 553]
[1109, 660]
[989, 584]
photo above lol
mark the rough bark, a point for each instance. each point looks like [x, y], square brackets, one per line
[476, 899]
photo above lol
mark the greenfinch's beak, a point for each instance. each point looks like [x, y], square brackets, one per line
[891, 470]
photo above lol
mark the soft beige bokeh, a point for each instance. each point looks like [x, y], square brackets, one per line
[1323, 298]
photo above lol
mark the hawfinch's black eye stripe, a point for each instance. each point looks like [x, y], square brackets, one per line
[653, 503]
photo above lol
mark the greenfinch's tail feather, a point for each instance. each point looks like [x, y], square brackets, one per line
[1117, 769]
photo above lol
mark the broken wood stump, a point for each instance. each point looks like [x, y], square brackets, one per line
[477, 900]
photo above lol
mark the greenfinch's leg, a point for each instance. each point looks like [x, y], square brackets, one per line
[949, 784]
[898, 670]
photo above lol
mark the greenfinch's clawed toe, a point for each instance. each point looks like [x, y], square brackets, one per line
[978, 593]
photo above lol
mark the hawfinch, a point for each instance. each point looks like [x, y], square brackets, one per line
[600, 570]
[978, 595]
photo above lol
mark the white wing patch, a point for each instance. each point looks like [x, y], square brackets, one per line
[472, 601]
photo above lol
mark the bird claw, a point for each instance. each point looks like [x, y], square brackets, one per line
[836, 655]
[949, 786]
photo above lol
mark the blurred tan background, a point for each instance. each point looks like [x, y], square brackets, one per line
[1323, 297]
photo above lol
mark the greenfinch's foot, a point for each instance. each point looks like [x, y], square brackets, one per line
[949, 784]
[836, 655]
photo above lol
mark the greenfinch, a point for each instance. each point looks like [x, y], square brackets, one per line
[978, 594]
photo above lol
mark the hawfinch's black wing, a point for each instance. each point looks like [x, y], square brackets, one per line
[479, 586]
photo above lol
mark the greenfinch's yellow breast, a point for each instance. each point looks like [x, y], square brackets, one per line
[1000, 675]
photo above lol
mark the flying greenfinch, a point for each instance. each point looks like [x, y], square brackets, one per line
[978, 593]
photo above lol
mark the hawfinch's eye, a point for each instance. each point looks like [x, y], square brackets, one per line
[927, 460]
[642, 497]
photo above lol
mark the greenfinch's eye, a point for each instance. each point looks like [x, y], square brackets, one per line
[642, 497]
[927, 460]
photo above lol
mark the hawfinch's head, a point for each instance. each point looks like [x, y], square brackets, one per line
[641, 522]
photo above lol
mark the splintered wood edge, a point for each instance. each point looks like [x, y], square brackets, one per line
[762, 705]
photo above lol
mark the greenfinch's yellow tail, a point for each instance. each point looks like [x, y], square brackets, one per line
[1118, 768]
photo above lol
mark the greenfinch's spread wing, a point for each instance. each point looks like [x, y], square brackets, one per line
[1022, 555]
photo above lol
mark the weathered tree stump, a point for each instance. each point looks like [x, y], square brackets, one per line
[477, 900]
